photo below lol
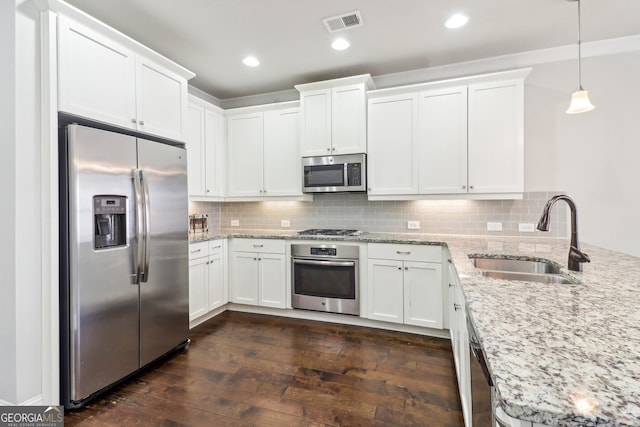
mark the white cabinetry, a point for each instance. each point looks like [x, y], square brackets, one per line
[405, 284]
[496, 142]
[334, 119]
[460, 341]
[444, 139]
[205, 150]
[258, 275]
[102, 75]
[264, 158]
[207, 272]
[393, 145]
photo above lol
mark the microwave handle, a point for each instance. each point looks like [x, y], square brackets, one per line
[346, 174]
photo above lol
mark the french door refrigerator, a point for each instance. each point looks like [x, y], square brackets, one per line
[124, 269]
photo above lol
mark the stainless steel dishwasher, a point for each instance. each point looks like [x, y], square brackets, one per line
[481, 383]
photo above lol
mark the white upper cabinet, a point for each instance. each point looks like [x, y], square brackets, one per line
[447, 139]
[205, 150]
[105, 76]
[282, 175]
[393, 145]
[442, 144]
[245, 142]
[263, 153]
[496, 141]
[334, 119]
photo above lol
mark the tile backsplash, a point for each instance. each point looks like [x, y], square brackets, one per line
[463, 217]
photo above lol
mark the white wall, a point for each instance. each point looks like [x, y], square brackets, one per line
[595, 156]
[20, 248]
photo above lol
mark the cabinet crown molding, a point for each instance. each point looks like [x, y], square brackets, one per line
[344, 81]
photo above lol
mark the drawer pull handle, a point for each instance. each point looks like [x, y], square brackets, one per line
[196, 251]
[403, 252]
[258, 246]
[216, 247]
[456, 307]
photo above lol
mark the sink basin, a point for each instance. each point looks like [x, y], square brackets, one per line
[515, 265]
[528, 277]
[521, 269]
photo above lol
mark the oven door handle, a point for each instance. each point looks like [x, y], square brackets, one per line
[324, 263]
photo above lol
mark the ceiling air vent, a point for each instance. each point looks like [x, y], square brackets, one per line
[343, 21]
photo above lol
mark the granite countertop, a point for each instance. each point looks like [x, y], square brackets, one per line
[566, 355]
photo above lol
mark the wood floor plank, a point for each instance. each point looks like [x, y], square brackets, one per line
[252, 370]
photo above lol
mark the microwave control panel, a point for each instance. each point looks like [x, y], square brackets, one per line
[354, 174]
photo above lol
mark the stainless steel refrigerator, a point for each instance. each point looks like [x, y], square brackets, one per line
[124, 267]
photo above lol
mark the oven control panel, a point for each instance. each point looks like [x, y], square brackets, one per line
[324, 251]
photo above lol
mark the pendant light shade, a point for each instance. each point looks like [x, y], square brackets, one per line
[580, 102]
[580, 98]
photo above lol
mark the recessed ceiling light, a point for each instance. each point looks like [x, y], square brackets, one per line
[250, 61]
[456, 21]
[340, 44]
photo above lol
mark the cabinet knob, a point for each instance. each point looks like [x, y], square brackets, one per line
[328, 149]
[464, 187]
[456, 307]
[333, 149]
[134, 121]
[451, 285]
[471, 187]
[142, 122]
[406, 268]
[399, 268]
[255, 259]
[208, 191]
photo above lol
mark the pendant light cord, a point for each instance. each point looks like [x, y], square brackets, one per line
[579, 52]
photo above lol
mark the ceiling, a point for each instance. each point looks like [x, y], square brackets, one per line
[211, 37]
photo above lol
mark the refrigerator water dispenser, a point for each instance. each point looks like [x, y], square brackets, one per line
[110, 221]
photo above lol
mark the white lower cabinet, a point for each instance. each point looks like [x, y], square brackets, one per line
[460, 341]
[258, 272]
[207, 284]
[405, 284]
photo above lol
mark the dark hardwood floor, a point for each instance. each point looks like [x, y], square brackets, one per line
[247, 369]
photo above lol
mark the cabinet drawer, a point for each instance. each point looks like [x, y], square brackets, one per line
[215, 247]
[275, 246]
[198, 250]
[427, 253]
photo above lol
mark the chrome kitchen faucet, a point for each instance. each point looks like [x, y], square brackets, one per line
[576, 256]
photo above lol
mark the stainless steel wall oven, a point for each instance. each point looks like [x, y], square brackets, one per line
[325, 278]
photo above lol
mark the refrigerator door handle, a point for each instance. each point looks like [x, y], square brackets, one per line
[139, 221]
[144, 276]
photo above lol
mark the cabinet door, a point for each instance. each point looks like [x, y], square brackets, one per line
[216, 288]
[198, 279]
[348, 120]
[272, 282]
[423, 294]
[244, 285]
[214, 153]
[195, 150]
[385, 290]
[282, 176]
[443, 141]
[161, 101]
[245, 154]
[315, 126]
[96, 76]
[496, 137]
[393, 149]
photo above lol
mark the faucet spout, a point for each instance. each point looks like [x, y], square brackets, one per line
[576, 256]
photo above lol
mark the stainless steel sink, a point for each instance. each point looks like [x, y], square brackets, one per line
[539, 271]
[528, 277]
[515, 265]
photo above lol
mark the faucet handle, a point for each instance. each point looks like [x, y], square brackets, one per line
[577, 255]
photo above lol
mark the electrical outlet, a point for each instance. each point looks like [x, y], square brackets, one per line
[285, 223]
[494, 226]
[526, 227]
[235, 223]
[413, 225]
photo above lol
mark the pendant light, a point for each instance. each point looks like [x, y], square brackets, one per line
[580, 98]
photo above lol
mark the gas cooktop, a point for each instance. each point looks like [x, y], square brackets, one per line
[329, 232]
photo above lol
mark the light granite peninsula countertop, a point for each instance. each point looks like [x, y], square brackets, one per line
[565, 355]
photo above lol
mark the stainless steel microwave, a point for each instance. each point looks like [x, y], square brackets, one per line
[335, 174]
